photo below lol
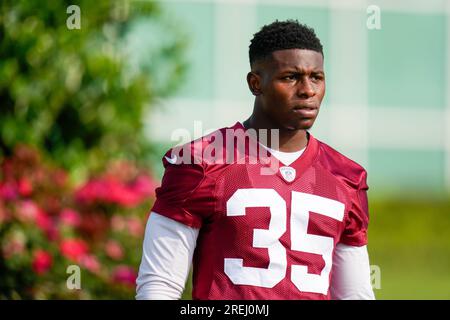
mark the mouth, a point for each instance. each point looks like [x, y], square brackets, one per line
[305, 105]
[305, 110]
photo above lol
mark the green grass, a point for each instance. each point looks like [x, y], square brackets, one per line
[413, 283]
[409, 240]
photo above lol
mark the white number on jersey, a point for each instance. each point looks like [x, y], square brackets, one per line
[302, 204]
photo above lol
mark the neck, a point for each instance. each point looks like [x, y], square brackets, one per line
[289, 140]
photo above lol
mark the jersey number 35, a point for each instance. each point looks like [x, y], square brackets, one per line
[302, 204]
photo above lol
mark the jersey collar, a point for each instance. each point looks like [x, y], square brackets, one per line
[300, 165]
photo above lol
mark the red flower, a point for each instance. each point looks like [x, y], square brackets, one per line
[73, 249]
[53, 233]
[24, 187]
[125, 275]
[43, 221]
[42, 261]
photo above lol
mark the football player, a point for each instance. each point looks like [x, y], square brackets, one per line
[295, 231]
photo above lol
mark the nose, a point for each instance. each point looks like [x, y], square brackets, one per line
[305, 89]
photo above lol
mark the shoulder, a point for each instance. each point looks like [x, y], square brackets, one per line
[206, 150]
[345, 169]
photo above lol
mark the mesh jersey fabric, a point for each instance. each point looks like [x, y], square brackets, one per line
[199, 193]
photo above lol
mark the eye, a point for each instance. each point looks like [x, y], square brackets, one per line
[316, 77]
[290, 77]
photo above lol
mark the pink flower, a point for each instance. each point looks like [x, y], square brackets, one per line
[27, 211]
[144, 186]
[73, 249]
[8, 191]
[118, 223]
[124, 275]
[70, 217]
[121, 194]
[110, 190]
[114, 250]
[91, 263]
[135, 226]
[126, 197]
[42, 261]
[91, 192]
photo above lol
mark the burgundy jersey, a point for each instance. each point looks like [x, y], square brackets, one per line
[265, 236]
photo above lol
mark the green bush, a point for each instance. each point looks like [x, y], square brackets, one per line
[81, 95]
[73, 188]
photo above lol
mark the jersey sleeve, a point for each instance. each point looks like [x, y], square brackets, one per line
[183, 195]
[357, 221]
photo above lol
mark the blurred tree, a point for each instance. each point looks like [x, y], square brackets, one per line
[81, 94]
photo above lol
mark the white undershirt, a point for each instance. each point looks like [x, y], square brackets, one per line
[287, 158]
[167, 256]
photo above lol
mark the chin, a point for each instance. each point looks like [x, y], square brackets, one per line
[303, 125]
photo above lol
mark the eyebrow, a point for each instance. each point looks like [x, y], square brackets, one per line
[297, 70]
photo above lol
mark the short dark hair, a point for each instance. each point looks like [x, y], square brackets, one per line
[281, 35]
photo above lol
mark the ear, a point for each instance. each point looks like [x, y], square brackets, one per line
[254, 83]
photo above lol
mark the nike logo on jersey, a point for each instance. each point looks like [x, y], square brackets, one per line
[172, 160]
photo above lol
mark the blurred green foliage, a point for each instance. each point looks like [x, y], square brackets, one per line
[409, 241]
[81, 95]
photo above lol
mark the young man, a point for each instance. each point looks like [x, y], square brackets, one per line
[289, 225]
